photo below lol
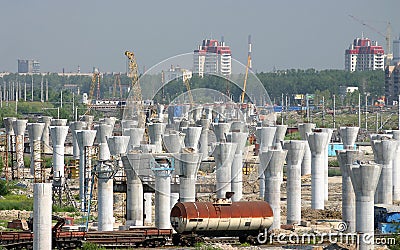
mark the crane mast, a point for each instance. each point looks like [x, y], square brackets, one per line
[245, 79]
[136, 90]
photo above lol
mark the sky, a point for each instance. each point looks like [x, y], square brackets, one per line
[286, 34]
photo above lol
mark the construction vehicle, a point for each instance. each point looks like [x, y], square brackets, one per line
[137, 92]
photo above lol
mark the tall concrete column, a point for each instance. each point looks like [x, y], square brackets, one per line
[136, 136]
[197, 112]
[326, 162]
[192, 137]
[88, 119]
[148, 208]
[42, 210]
[35, 131]
[73, 126]
[85, 138]
[224, 153]
[203, 141]
[209, 113]
[46, 134]
[396, 167]
[189, 164]
[273, 181]
[346, 159]
[280, 134]
[156, 131]
[295, 154]
[306, 164]
[240, 138]
[317, 142]
[160, 112]
[162, 196]
[174, 141]
[109, 121]
[265, 137]
[349, 136]
[383, 154]
[127, 124]
[8, 124]
[58, 135]
[19, 127]
[103, 131]
[238, 126]
[365, 179]
[221, 130]
[58, 122]
[134, 190]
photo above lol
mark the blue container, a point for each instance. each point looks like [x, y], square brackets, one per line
[388, 228]
[178, 111]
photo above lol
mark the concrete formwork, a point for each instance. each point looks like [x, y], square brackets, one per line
[273, 180]
[240, 138]
[295, 154]
[348, 136]
[58, 122]
[365, 179]
[19, 127]
[103, 131]
[85, 138]
[317, 142]
[189, 164]
[109, 121]
[396, 167]
[156, 131]
[35, 131]
[224, 153]
[221, 130]
[42, 209]
[192, 137]
[73, 126]
[58, 135]
[346, 159]
[305, 128]
[383, 154]
[174, 141]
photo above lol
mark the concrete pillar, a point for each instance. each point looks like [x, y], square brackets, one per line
[174, 198]
[326, 162]
[295, 154]
[58, 135]
[209, 113]
[174, 141]
[148, 208]
[348, 136]
[192, 137]
[189, 164]
[103, 131]
[109, 121]
[346, 159]
[224, 153]
[171, 113]
[162, 196]
[85, 138]
[35, 131]
[221, 130]
[240, 138]
[134, 191]
[160, 112]
[238, 126]
[8, 124]
[127, 124]
[306, 164]
[273, 181]
[265, 137]
[317, 142]
[197, 112]
[73, 126]
[156, 131]
[58, 122]
[396, 167]
[136, 136]
[280, 134]
[19, 127]
[365, 179]
[42, 209]
[203, 141]
[88, 119]
[383, 154]
[46, 134]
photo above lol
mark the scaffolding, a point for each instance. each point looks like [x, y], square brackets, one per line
[4, 154]
[39, 173]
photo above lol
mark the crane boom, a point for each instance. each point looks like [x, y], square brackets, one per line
[245, 79]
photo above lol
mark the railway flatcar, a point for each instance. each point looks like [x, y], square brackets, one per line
[195, 220]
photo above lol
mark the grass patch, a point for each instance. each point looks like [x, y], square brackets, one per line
[16, 202]
[334, 172]
[70, 209]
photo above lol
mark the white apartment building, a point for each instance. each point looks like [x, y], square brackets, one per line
[364, 54]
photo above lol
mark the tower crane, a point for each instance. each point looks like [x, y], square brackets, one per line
[388, 36]
[95, 80]
[137, 92]
[117, 80]
[187, 85]
[245, 78]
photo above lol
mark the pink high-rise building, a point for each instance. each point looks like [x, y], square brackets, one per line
[364, 54]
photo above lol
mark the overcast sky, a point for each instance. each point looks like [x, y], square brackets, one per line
[286, 34]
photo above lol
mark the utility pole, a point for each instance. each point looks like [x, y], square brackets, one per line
[323, 111]
[366, 112]
[61, 99]
[334, 111]
[41, 90]
[32, 90]
[359, 110]
[25, 91]
[47, 90]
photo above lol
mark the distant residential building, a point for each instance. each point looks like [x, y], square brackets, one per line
[212, 57]
[28, 66]
[392, 83]
[176, 72]
[364, 54]
[396, 51]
